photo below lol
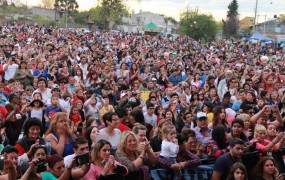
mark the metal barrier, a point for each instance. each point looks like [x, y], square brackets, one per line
[205, 170]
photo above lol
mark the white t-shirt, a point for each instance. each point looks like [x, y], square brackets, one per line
[46, 95]
[150, 119]
[114, 140]
[169, 149]
[10, 72]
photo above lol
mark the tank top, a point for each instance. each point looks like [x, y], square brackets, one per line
[68, 148]
[37, 114]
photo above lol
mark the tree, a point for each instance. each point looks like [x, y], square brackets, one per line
[281, 18]
[198, 25]
[108, 11]
[71, 5]
[230, 27]
[49, 4]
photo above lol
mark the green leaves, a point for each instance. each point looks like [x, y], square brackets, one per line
[198, 26]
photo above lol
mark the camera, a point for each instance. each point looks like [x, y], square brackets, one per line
[41, 165]
[82, 159]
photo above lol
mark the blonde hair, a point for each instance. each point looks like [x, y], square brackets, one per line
[168, 129]
[137, 127]
[159, 126]
[258, 128]
[123, 140]
[54, 120]
[98, 146]
[242, 116]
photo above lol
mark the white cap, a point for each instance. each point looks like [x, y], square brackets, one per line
[201, 115]
[153, 79]
[123, 94]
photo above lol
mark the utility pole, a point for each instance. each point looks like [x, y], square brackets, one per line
[66, 13]
[256, 3]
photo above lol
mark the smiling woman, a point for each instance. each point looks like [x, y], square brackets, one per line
[32, 129]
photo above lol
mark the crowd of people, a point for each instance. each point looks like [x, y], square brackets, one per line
[99, 105]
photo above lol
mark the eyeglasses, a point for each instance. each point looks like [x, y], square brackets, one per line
[115, 119]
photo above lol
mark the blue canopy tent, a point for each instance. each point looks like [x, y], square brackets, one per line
[260, 37]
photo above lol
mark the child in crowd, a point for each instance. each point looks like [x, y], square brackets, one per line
[52, 109]
[75, 116]
[170, 148]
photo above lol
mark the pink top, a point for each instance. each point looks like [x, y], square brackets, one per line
[262, 146]
[95, 171]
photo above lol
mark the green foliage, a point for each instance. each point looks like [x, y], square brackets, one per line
[281, 18]
[107, 11]
[198, 26]
[80, 17]
[71, 5]
[230, 27]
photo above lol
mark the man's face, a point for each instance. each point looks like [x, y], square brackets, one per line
[237, 150]
[202, 123]
[150, 110]
[82, 149]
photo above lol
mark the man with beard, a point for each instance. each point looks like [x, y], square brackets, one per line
[224, 163]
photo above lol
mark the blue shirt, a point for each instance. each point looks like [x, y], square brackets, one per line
[175, 79]
[50, 111]
[37, 72]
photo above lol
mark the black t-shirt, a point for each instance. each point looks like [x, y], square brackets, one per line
[223, 165]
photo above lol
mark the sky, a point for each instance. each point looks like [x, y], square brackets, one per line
[218, 8]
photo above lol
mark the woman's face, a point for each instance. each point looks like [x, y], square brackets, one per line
[104, 152]
[58, 169]
[246, 122]
[24, 96]
[223, 114]
[78, 72]
[191, 144]
[94, 133]
[249, 97]
[168, 115]
[271, 130]
[239, 174]
[62, 123]
[237, 129]
[37, 96]
[261, 135]
[80, 93]
[34, 132]
[131, 143]
[40, 153]
[268, 167]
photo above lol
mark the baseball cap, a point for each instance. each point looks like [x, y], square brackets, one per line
[201, 115]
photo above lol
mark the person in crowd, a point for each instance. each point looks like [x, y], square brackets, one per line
[266, 168]
[237, 130]
[110, 131]
[61, 134]
[104, 165]
[13, 125]
[219, 143]
[80, 146]
[156, 141]
[43, 89]
[203, 133]
[238, 172]
[128, 155]
[90, 135]
[10, 166]
[170, 148]
[224, 163]
[264, 145]
[32, 136]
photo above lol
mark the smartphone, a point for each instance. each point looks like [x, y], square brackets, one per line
[82, 159]
[1, 162]
[41, 166]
